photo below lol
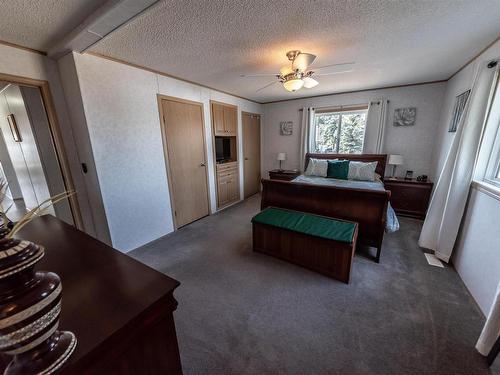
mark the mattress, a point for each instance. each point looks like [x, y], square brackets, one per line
[392, 223]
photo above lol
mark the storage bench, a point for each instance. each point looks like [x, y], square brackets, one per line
[319, 243]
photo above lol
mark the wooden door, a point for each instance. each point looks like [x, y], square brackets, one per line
[183, 130]
[230, 120]
[251, 154]
[218, 119]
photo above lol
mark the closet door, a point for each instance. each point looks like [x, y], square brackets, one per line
[186, 160]
[251, 153]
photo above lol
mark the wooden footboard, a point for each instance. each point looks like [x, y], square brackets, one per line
[366, 207]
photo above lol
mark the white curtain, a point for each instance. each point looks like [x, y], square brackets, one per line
[375, 127]
[446, 209]
[491, 330]
[306, 134]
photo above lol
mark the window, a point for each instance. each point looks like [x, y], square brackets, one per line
[489, 154]
[493, 170]
[339, 132]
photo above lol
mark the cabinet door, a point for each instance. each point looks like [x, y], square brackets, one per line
[233, 188]
[222, 192]
[230, 121]
[218, 119]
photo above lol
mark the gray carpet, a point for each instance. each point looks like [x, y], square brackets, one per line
[246, 313]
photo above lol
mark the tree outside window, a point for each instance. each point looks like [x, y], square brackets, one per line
[339, 132]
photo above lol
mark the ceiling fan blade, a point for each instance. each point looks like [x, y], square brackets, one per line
[329, 66]
[302, 61]
[332, 73]
[259, 75]
[266, 86]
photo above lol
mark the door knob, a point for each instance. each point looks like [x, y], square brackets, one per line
[246, 158]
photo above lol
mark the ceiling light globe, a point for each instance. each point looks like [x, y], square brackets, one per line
[309, 82]
[293, 84]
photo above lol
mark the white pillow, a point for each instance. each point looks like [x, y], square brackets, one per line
[317, 167]
[362, 171]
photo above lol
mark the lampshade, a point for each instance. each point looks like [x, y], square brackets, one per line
[286, 70]
[281, 156]
[309, 82]
[293, 84]
[302, 61]
[395, 159]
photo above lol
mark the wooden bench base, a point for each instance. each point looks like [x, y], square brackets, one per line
[328, 257]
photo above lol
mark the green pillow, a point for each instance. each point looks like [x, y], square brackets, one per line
[338, 169]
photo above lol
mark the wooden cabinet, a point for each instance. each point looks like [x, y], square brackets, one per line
[409, 197]
[230, 120]
[121, 329]
[225, 124]
[224, 119]
[218, 119]
[228, 188]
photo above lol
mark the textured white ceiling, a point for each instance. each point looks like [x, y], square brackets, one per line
[392, 42]
[38, 24]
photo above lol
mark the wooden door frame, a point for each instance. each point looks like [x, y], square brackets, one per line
[243, 144]
[57, 140]
[161, 97]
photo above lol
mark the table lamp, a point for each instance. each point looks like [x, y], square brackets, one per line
[395, 160]
[281, 157]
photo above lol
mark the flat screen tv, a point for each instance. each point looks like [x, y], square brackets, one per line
[222, 148]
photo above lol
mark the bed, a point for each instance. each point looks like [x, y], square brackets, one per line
[366, 203]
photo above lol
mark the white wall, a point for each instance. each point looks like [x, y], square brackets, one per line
[415, 143]
[18, 62]
[477, 254]
[121, 114]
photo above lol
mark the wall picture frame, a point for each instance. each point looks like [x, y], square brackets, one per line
[286, 127]
[458, 109]
[405, 116]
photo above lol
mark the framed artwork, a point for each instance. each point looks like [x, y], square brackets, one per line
[458, 110]
[409, 175]
[405, 116]
[13, 128]
[286, 127]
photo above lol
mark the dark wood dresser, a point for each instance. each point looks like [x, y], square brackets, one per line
[120, 310]
[409, 197]
[283, 174]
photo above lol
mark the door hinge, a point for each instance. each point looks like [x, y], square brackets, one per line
[175, 213]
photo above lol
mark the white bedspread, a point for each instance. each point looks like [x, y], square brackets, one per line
[392, 223]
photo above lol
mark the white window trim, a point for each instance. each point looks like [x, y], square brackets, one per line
[487, 188]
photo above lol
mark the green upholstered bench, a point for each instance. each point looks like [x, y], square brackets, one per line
[319, 243]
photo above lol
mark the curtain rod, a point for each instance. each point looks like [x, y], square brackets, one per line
[345, 106]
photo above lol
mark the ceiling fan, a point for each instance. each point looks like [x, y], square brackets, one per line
[296, 75]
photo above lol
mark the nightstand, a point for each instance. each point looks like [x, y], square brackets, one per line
[283, 174]
[409, 197]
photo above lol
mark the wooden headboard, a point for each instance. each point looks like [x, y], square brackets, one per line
[380, 158]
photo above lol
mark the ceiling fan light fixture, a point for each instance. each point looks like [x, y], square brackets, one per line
[293, 84]
[309, 82]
